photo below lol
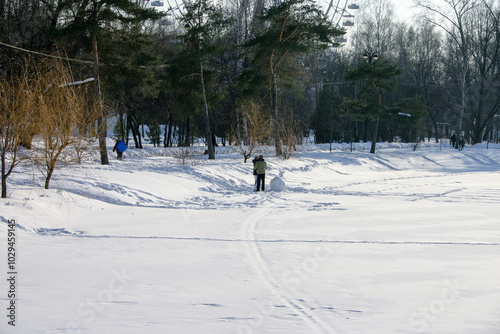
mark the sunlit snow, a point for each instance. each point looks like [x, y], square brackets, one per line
[400, 241]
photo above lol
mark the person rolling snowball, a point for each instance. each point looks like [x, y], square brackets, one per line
[260, 167]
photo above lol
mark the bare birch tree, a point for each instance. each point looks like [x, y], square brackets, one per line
[484, 34]
[375, 32]
[451, 16]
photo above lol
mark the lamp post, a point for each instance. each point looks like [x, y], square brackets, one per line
[370, 56]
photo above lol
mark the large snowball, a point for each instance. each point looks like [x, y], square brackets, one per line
[277, 184]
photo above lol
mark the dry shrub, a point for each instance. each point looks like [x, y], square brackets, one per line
[288, 136]
[187, 156]
[257, 122]
[17, 120]
[44, 110]
[65, 118]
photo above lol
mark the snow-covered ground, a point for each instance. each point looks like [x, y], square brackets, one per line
[396, 242]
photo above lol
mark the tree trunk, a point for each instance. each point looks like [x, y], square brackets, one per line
[437, 132]
[187, 132]
[6, 171]
[375, 135]
[4, 175]
[4, 187]
[365, 132]
[276, 123]
[102, 127]
[50, 171]
[208, 131]
[136, 135]
[101, 122]
[167, 134]
[377, 121]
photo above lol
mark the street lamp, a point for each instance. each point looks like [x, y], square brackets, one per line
[370, 56]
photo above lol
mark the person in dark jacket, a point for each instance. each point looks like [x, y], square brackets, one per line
[260, 168]
[254, 160]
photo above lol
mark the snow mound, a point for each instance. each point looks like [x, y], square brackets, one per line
[277, 184]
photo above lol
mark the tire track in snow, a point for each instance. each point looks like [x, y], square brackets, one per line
[278, 289]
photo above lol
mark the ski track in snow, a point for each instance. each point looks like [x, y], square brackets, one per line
[277, 289]
[62, 232]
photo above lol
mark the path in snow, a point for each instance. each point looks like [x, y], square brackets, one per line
[278, 289]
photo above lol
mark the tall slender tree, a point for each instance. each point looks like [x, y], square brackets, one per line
[204, 23]
[91, 22]
[420, 52]
[484, 34]
[451, 16]
[376, 28]
[290, 29]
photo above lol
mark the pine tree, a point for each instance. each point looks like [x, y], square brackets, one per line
[291, 29]
[88, 23]
[378, 76]
[204, 23]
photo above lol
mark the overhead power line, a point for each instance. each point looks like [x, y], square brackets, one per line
[46, 55]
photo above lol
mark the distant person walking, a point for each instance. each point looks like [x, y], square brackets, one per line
[453, 140]
[260, 168]
[461, 143]
[120, 147]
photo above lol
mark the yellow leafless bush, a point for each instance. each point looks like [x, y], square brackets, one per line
[65, 118]
[257, 121]
[17, 121]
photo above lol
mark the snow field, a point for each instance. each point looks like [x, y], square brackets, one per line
[397, 242]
